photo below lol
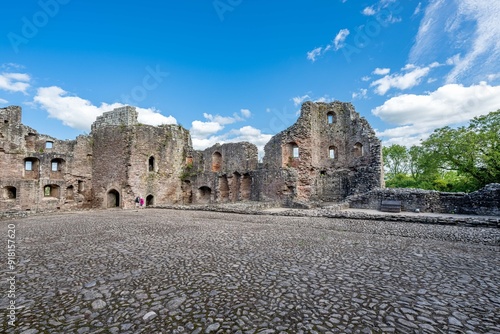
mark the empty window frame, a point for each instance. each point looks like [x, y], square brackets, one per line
[331, 117]
[331, 152]
[28, 165]
[358, 150]
[151, 164]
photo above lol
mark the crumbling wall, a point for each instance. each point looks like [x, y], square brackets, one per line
[223, 173]
[159, 157]
[39, 172]
[138, 160]
[124, 116]
[328, 154]
[485, 201]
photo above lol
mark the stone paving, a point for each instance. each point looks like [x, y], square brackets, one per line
[166, 271]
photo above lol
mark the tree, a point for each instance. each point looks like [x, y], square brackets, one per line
[473, 151]
[396, 159]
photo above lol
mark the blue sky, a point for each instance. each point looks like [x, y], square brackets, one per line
[234, 70]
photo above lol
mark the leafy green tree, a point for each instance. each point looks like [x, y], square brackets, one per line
[395, 159]
[473, 151]
[462, 159]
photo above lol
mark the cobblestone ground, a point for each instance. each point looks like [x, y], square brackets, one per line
[163, 271]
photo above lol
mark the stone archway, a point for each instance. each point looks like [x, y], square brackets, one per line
[113, 199]
[204, 195]
[150, 200]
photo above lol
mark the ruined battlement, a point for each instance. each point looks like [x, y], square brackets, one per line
[124, 116]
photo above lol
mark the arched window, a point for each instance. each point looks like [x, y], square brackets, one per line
[151, 164]
[216, 162]
[332, 152]
[358, 150]
[331, 117]
[9, 192]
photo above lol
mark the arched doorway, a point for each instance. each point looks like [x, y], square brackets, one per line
[113, 199]
[150, 200]
[204, 195]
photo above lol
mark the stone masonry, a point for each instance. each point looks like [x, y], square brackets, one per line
[330, 154]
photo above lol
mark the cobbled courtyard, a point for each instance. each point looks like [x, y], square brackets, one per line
[169, 271]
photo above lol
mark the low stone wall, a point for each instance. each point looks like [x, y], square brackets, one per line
[485, 201]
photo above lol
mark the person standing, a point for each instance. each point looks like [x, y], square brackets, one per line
[137, 201]
[141, 202]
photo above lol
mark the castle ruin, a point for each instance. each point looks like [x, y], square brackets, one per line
[328, 154]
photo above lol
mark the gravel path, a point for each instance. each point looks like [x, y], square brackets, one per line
[165, 271]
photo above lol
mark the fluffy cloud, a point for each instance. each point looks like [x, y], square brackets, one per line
[79, 113]
[381, 71]
[246, 113]
[418, 115]
[369, 11]
[210, 138]
[411, 78]
[207, 133]
[469, 26]
[15, 82]
[200, 130]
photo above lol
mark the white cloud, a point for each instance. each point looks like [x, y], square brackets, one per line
[381, 71]
[469, 26]
[312, 55]
[151, 116]
[366, 78]
[200, 130]
[418, 9]
[360, 95]
[3, 101]
[246, 133]
[325, 99]
[492, 77]
[299, 99]
[337, 44]
[339, 40]
[453, 60]
[222, 120]
[400, 81]
[246, 113]
[416, 116]
[15, 82]
[369, 11]
[79, 113]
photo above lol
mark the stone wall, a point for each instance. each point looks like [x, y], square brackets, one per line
[485, 201]
[39, 172]
[328, 154]
[222, 173]
[124, 116]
